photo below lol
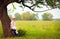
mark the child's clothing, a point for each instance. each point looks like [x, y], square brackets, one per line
[13, 25]
[13, 28]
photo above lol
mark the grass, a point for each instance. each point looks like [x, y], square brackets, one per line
[37, 29]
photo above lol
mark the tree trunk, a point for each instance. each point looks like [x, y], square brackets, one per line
[5, 23]
[5, 18]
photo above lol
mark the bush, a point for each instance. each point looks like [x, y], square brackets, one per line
[47, 16]
[22, 32]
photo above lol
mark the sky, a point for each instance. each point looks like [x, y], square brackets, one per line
[54, 12]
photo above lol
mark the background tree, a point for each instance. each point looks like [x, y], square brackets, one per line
[17, 16]
[47, 16]
[25, 16]
[33, 17]
[34, 3]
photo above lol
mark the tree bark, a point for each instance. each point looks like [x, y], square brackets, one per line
[5, 20]
[5, 23]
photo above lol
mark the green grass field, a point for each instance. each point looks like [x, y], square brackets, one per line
[37, 29]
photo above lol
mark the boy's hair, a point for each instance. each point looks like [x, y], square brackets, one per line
[13, 18]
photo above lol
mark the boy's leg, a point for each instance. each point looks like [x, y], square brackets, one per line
[17, 33]
[14, 32]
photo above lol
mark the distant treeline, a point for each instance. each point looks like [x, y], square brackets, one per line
[33, 16]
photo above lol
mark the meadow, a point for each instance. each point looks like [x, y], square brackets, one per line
[37, 30]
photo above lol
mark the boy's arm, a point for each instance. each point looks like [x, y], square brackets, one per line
[11, 25]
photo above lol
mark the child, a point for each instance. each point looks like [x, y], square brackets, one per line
[13, 27]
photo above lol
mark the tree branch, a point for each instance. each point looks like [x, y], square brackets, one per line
[43, 10]
[25, 5]
[30, 7]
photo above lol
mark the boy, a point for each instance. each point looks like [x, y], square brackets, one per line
[13, 27]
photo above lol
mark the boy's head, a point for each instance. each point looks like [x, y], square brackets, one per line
[14, 19]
